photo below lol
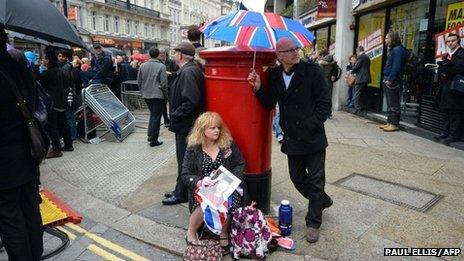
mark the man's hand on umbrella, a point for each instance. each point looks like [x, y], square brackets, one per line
[254, 80]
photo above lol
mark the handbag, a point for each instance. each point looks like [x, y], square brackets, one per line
[457, 84]
[350, 79]
[37, 142]
[207, 249]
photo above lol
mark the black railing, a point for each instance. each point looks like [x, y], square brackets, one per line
[136, 8]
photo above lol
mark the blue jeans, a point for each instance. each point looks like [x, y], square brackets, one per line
[350, 100]
[276, 126]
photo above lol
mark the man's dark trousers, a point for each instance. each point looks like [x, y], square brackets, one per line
[21, 227]
[57, 127]
[156, 110]
[356, 100]
[454, 123]
[307, 173]
[181, 145]
[393, 93]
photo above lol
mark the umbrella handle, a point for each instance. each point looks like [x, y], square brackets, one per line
[254, 60]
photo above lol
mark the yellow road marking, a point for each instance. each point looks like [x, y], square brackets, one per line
[102, 253]
[70, 235]
[106, 243]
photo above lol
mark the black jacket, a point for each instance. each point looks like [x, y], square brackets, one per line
[56, 84]
[102, 67]
[362, 69]
[329, 68]
[192, 167]
[304, 107]
[187, 98]
[16, 164]
[450, 100]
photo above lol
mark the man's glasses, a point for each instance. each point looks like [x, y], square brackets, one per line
[290, 50]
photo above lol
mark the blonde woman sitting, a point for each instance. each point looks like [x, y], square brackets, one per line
[210, 145]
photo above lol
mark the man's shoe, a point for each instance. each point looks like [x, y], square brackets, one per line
[327, 204]
[169, 194]
[383, 126]
[449, 140]
[155, 143]
[440, 137]
[54, 154]
[391, 128]
[173, 200]
[149, 139]
[312, 234]
[71, 148]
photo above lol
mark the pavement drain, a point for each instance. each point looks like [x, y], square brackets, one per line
[401, 195]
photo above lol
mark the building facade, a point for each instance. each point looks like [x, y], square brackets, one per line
[341, 26]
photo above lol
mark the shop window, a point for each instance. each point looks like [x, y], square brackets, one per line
[116, 24]
[332, 38]
[321, 38]
[370, 36]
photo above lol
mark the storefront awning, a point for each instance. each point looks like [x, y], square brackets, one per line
[369, 5]
[321, 22]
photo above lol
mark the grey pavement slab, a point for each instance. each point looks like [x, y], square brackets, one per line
[395, 193]
[163, 237]
[176, 215]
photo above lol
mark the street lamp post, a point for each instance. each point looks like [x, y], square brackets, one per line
[65, 8]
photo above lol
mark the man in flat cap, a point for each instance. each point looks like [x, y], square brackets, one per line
[304, 102]
[187, 102]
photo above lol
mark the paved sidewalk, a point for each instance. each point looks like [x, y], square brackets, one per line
[120, 186]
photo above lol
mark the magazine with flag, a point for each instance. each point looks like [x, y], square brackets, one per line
[225, 184]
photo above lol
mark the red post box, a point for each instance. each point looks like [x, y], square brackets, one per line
[229, 94]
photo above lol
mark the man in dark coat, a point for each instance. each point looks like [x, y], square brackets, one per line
[20, 221]
[362, 73]
[304, 102]
[102, 66]
[187, 102]
[452, 103]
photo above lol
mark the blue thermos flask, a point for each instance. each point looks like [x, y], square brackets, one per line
[285, 218]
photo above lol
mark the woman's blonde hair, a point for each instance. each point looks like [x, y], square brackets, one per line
[204, 121]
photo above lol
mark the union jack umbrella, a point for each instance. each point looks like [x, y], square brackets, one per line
[256, 29]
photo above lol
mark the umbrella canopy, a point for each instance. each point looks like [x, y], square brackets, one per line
[141, 57]
[257, 29]
[115, 51]
[38, 18]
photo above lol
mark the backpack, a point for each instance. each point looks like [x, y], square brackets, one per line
[250, 234]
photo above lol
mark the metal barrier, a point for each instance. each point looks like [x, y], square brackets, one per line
[131, 96]
[115, 116]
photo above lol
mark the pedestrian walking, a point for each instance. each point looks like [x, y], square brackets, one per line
[56, 83]
[21, 229]
[187, 101]
[153, 83]
[350, 85]
[67, 68]
[452, 102]
[305, 104]
[396, 59]
[362, 73]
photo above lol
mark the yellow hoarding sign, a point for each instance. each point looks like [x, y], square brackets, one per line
[455, 15]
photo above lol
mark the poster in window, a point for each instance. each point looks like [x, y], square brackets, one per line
[455, 15]
[371, 38]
